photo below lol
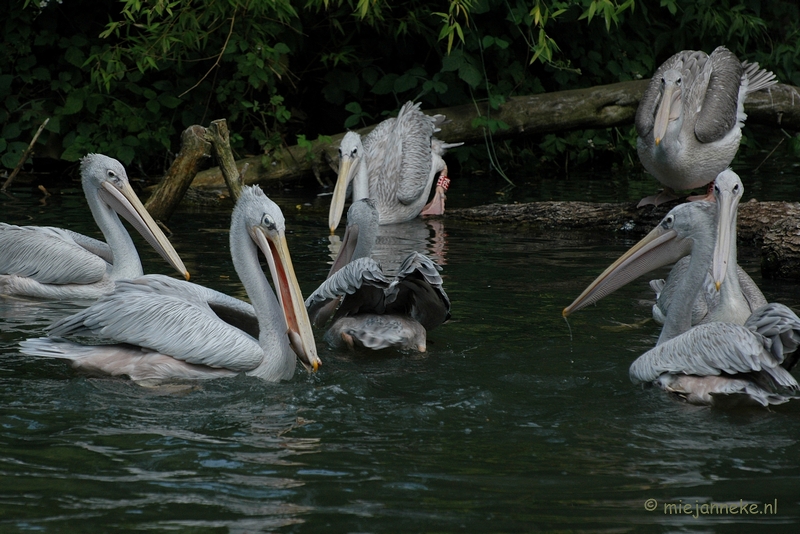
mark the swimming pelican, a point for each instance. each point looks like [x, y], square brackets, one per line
[716, 363]
[394, 166]
[166, 332]
[744, 296]
[689, 121]
[373, 311]
[54, 263]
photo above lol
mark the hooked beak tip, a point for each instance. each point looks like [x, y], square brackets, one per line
[186, 275]
[565, 312]
[717, 285]
[658, 141]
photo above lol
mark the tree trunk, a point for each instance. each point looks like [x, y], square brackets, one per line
[772, 227]
[169, 192]
[602, 106]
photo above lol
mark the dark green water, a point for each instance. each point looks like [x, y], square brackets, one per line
[507, 424]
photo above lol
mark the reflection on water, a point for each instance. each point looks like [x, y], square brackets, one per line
[396, 241]
[506, 424]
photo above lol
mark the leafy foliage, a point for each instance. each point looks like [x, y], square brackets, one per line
[126, 77]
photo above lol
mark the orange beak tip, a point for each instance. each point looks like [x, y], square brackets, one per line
[186, 275]
[658, 141]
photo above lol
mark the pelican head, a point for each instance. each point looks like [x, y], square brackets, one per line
[728, 191]
[105, 178]
[351, 154]
[671, 240]
[669, 108]
[266, 226]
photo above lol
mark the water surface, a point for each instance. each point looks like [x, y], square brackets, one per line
[513, 421]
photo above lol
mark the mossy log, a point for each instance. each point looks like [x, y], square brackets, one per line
[602, 106]
[773, 228]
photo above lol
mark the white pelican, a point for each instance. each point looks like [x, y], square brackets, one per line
[743, 295]
[163, 332]
[376, 312]
[716, 363]
[53, 263]
[394, 166]
[689, 121]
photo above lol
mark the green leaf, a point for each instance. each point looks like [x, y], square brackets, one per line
[452, 62]
[169, 101]
[470, 74]
[75, 56]
[153, 106]
[385, 85]
[11, 130]
[404, 83]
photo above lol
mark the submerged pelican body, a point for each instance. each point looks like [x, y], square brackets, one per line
[161, 331]
[374, 311]
[689, 121]
[55, 263]
[394, 165]
[716, 363]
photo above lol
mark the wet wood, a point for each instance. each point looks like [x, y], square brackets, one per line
[168, 193]
[773, 228]
[219, 137]
[602, 106]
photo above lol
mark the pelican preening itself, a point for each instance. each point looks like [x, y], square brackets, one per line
[169, 330]
[689, 121]
[717, 362]
[54, 263]
[374, 311]
[744, 296]
[394, 165]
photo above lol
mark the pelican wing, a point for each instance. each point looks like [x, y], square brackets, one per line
[418, 292]
[95, 246]
[48, 255]
[710, 350]
[362, 278]
[415, 130]
[781, 327]
[172, 325]
[718, 105]
[233, 311]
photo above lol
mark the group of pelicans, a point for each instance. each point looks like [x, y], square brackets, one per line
[154, 328]
[721, 342]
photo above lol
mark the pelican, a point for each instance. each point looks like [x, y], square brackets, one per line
[716, 363]
[689, 121]
[162, 332]
[394, 165]
[54, 263]
[744, 296]
[374, 311]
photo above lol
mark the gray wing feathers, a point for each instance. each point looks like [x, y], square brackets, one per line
[95, 246]
[413, 134]
[167, 324]
[781, 328]
[709, 350]
[48, 255]
[349, 280]
[718, 114]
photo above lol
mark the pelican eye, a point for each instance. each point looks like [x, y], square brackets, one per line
[678, 82]
[111, 174]
[268, 221]
[668, 221]
[736, 188]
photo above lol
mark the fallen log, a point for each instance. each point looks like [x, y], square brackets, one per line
[603, 106]
[773, 228]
